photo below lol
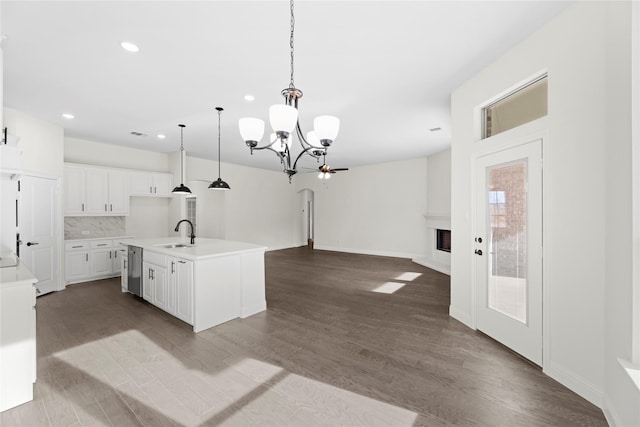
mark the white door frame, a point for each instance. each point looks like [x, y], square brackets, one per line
[537, 129]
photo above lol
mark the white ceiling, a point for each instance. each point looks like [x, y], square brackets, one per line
[385, 68]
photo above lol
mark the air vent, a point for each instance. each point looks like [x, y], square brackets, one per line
[138, 133]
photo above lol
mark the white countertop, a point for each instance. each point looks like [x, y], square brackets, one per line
[18, 275]
[203, 248]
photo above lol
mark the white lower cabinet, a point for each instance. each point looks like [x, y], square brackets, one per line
[168, 284]
[91, 260]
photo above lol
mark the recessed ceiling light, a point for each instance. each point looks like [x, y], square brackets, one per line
[68, 116]
[249, 98]
[161, 136]
[130, 47]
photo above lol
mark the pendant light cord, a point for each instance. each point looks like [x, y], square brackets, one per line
[181, 155]
[293, 23]
[219, 109]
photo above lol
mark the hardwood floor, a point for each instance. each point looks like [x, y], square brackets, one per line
[328, 351]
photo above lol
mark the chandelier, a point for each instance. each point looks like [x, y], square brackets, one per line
[284, 122]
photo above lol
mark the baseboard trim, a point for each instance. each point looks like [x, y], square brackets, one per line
[461, 316]
[610, 415]
[574, 382]
[365, 251]
[442, 268]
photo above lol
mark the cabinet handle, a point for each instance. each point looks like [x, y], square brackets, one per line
[86, 257]
[109, 254]
[154, 189]
[153, 274]
[83, 207]
[76, 247]
[105, 207]
[150, 189]
[149, 274]
[111, 208]
[173, 267]
[101, 244]
[182, 262]
[125, 264]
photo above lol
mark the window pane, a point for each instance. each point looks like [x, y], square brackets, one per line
[507, 197]
[523, 106]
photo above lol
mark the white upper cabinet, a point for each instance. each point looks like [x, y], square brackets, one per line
[154, 184]
[95, 191]
[75, 191]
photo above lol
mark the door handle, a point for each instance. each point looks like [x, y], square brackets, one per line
[478, 252]
[32, 243]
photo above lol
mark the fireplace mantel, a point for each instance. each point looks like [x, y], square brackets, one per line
[440, 221]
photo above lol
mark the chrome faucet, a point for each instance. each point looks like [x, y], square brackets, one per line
[193, 236]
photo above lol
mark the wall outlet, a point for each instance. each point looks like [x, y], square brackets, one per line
[84, 233]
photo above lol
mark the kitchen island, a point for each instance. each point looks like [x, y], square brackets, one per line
[204, 284]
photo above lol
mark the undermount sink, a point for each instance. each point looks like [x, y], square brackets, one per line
[176, 245]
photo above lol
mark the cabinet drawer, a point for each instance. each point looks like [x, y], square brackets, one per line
[101, 244]
[76, 246]
[154, 258]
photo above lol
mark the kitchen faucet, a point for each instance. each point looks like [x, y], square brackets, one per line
[193, 236]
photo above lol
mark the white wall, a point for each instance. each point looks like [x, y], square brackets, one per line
[376, 209]
[260, 207]
[622, 397]
[115, 156]
[148, 216]
[41, 143]
[572, 48]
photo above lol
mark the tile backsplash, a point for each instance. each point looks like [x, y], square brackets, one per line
[97, 226]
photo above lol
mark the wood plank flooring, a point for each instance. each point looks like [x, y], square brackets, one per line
[329, 351]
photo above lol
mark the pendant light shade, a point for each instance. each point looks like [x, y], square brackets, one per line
[326, 129]
[283, 118]
[251, 129]
[219, 184]
[181, 189]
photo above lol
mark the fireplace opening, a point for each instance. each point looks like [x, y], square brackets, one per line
[443, 240]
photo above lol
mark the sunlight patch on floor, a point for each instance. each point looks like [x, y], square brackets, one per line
[388, 288]
[160, 388]
[408, 276]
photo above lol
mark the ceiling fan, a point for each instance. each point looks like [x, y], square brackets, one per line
[326, 170]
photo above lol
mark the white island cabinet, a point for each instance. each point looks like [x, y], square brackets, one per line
[205, 284]
[17, 335]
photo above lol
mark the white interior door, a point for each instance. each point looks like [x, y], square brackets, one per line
[508, 246]
[38, 228]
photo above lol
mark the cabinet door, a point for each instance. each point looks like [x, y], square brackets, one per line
[147, 282]
[76, 266]
[97, 192]
[160, 287]
[101, 262]
[118, 193]
[116, 265]
[141, 184]
[74, 191]
[183, 278]
[163, 184]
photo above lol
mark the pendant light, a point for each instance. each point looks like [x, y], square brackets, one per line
[219, 184]
[181, 189]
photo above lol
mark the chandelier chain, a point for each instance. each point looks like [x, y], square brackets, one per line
[293, 23]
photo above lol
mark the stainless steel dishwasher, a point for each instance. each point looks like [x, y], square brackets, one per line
[134, 270]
